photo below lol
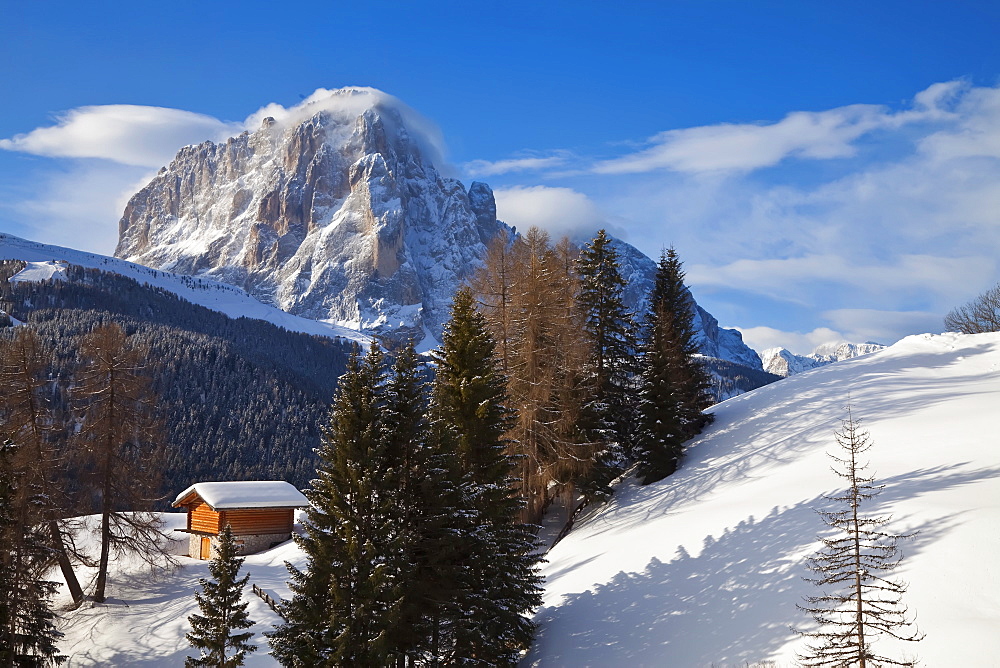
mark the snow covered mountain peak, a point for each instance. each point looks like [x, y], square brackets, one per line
[783, 362]
[332, 210]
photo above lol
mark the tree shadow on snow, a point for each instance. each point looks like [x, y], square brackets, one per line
[734, 602]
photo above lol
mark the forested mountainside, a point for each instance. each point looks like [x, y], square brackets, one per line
[730, 379]
[242, 398]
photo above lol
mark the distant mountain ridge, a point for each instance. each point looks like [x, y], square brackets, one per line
[782, 362]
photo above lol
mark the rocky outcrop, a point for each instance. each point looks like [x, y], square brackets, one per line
[338, 217]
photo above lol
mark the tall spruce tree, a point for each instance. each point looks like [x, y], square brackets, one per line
[27, 631]
[498, 584]
[346, 604]
[854, 562]
[675, 385]
[610, 332]
[427, 517]
[223, 611]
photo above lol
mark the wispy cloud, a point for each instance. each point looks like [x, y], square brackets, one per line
[853, 325]
[79, 207]
[477, 168]
[730, 147]
[559, 211]
[762, 338]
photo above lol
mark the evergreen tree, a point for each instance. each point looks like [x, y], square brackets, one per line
[854, 561]
[346, 603]
[223, 611]
[498, 583]
[27, 632]
[610, 331]
[674, 383]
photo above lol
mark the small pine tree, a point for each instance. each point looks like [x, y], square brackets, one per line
[27, 632]
[855, 560]
[675, 385]
[223, 611]
[610, 331]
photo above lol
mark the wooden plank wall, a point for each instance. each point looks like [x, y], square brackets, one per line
[258, 520]
[202, 518]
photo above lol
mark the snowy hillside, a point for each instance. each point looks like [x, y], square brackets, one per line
[46, 261]
[706, 567]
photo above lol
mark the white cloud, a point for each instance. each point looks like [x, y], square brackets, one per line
[80, 207]
[478, 168]
[730, 147]
[559, 211]
[801, 280]
[128, 134]
[853, 325]
[885, 327]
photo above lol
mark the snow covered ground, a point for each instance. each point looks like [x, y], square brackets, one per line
[47, 261]
[145, 616]
[705, 568]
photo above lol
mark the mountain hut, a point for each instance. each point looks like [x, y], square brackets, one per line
[260, 512]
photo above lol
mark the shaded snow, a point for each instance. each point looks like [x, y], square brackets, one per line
[145, 617]
[706, 567]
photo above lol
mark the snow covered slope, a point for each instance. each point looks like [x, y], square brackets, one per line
[46, 261]
[705, 568]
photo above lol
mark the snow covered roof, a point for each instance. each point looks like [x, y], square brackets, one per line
[245, 494]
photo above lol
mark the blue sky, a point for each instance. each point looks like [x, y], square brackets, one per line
[826, 170]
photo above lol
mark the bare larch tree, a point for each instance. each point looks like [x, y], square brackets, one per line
[980, 315]
[124, 442]
[27, 417]
[853, 563]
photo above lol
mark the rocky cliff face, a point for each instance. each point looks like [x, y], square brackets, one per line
[338, 217]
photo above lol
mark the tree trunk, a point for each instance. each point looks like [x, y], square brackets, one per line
[75, 590]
